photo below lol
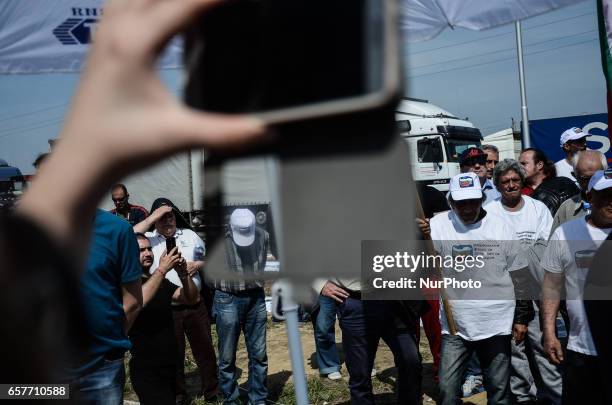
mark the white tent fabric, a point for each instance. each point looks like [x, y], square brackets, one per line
[53, 36]
[424, 19]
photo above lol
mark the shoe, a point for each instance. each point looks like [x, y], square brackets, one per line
[374, 372]
[472, 385]
[334, 376]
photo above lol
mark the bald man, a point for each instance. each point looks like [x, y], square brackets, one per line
[585, 163]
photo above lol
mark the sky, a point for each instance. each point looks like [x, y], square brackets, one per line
[472, 74]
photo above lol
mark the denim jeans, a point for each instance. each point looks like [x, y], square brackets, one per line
[363, 324]
[103, 386]
[325, 336]
[494, 356]
[246, 312]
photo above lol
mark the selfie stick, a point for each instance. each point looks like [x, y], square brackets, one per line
[283, 290]
[448, 311]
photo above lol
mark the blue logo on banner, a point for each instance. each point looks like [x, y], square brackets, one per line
[76, 30]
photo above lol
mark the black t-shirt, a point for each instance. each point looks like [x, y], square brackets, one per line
[152, 335]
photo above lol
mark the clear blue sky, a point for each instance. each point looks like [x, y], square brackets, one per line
[471, 74]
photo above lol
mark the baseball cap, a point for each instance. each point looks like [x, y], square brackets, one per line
[469, 153]
[242, 224]
[465, 186]
[601, 180]
[572, 134]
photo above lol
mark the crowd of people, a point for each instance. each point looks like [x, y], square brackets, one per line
[81, 287]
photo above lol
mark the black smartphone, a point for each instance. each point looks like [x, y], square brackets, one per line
[170, 243]
[294, 60]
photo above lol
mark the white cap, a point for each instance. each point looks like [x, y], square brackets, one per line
[572, 134]
[601, 180]
[465, 186]
[242, 224]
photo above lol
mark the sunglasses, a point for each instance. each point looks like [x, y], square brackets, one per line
[119, 199]
[475, 160]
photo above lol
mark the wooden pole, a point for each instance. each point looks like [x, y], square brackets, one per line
[450, 319]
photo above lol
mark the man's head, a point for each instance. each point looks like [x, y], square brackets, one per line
[585, 164]
[509, 178]
[492, 158]
[599, 194]
[40, 159]
[170, 221]
[473, 160]
[533, 161]
[120, 196]
[466, 197]
[146, 252]
[242, 225]
[573, 140]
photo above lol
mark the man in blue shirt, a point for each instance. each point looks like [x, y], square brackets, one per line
[111, 296]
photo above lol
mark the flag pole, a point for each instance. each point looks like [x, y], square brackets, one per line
[524, 114]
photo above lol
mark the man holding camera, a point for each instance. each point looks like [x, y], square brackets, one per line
[190, 320]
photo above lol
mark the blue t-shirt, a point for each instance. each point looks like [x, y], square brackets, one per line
[113, 260]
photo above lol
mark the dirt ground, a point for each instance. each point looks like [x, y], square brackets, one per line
[321, 391]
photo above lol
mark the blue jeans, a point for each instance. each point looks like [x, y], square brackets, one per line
[246, 312]
[103, 386]
[494, 356]
[325, 336]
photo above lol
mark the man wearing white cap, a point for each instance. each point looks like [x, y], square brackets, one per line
[239, 305]
[483, 326]
[572, 141]
[567, 261]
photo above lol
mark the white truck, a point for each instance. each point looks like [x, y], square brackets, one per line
[435, 140]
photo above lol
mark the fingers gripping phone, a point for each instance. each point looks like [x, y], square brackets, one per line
[170, 244]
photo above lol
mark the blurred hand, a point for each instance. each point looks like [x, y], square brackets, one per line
[168, 261]
[193, 267]
[160, 212]
[423, 225]
[553, 349]
[331, 290]
[518, 332]
[181, 268]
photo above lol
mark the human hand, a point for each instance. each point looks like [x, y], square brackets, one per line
[331, 290]
[423, 225]
[193, 267]
[159, 213]
[168, 261]
[181, 269]
[518, 332]
[552, 348]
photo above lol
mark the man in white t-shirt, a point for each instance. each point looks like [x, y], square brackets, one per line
[572, 141]
[483, 326]
[567, 261]
[531, 221]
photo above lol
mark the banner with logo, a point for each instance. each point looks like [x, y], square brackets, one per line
[546, 134]
[39, 36]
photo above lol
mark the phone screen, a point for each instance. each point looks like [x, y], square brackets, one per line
[260, 55]
[170, 244]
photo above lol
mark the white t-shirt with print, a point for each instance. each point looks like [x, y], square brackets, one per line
[564, 169]
[531, 223]
[569, 251]
[189, 244]
[481, 319]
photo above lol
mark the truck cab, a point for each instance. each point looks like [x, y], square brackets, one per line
[435, 140]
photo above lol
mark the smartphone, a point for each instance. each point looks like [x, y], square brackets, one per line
[170, 244]
[294, 60]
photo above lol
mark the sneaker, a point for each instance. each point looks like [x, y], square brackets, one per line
[374, 372]
[334, 376]
[468, 386]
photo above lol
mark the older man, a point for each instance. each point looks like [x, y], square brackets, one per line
[531, 221]
[567, 261]
[492, 158]
[585, 164]
[474, 160]
[190, 320]
[572, 141]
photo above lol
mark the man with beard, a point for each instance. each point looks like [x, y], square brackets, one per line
[154, 351]
[531, 221]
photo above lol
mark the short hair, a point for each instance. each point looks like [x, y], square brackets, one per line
[121, 186]
[506, 166]
[602, 158]
[40, 158]
[140, 235]
[538, 154]
[492, 148]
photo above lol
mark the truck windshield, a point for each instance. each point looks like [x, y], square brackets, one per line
[456, 146]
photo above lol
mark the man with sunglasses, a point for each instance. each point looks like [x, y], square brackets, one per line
[474, 160]
[134, 214]
[572, 141]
